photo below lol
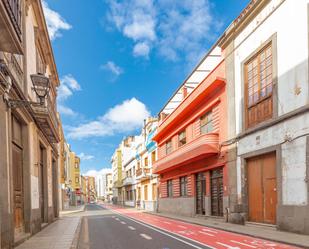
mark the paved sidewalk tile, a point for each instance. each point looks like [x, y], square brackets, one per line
[58, 235]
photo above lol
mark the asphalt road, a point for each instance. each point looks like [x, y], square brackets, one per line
[106, 226]
[108, 230]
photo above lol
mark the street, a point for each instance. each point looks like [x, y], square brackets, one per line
[110, 227]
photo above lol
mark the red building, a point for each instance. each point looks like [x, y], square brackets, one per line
[191, 162]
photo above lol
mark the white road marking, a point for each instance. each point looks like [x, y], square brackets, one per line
[145, 236]
[209, 234]
[132, 228]
[244, 244]
[208, 230]
[122, 222]
[182, 227]
[159, 230]
[227, 246]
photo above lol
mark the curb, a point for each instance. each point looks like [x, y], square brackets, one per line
[75, 241]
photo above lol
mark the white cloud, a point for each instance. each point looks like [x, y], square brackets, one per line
[68, 85]
[170, 27]
[55, 22]
[65, 110]
[95, 173]
[125, 117]
[141, 49]
[112, 67]
[85, 157]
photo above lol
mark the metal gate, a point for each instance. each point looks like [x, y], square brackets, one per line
[217, 192]
[200, 185]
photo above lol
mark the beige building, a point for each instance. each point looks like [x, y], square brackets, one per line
[28, 124]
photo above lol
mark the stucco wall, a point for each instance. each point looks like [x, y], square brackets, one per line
[290, 25]
[180, 206]
[292, 70]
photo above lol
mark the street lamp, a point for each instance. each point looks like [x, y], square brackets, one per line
[41, 87]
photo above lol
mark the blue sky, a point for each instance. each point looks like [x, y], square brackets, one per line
[120, 61]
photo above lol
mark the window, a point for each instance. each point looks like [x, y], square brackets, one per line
[146, 161]
[206, 123]
[182, 140]
[170, 188]
[168, 147]
[183, 186]
[153, 156]
[40, 65]
[259, 87]
[76, 165]
[76, 179]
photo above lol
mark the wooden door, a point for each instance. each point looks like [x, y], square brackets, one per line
[154, 191]
[216, 186]
[41, 183]
[146, 193]
[55, 187]
[18, 188]
[200, 185]
[17, 172]
[262, 188]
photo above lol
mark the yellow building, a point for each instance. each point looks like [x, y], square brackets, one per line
[75, 179]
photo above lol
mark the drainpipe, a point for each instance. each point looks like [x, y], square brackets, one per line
[227, 212]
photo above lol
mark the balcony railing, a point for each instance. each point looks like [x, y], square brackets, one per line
[143, 173]
[14, 65]
[128, 181]
[11, 26]
[204, 146]
[47, 118]
[13, 7]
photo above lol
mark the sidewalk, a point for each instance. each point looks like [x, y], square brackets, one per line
[72, 210]
[262, 232]
[58, 235]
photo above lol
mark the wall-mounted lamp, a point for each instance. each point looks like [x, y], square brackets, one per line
[41, 87]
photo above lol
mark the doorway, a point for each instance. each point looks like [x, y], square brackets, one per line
[262, 188]
[200, 185]
[217, 192]
[18, 184]
[55, 187]
[42, 183]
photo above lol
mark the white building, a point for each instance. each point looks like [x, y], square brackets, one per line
[266, 52]
[104, 185]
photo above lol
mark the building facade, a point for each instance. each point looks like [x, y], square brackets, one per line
[191, 163]
[267, 52]
[104, 184]
[116, 162]
[29, 134]
[74, 180]
[146, 156]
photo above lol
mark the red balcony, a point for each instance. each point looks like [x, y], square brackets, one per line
[204, 146]
[10, 26]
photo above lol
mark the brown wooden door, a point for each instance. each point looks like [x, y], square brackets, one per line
[262, 188]
[41, 182]
[217, 192]
[18, 188]
[200, 185]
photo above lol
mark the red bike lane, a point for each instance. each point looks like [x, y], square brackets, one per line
[210, 237]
